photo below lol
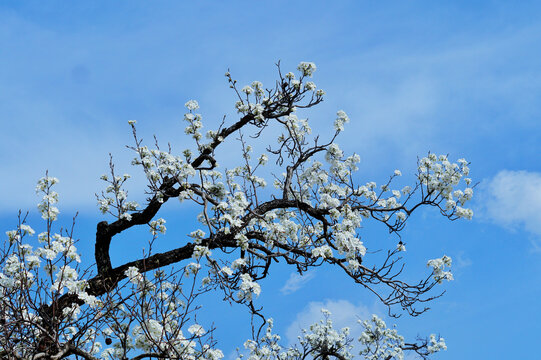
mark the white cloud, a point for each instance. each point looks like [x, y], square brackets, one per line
[344, 314]
[461, 261]
[296, 281]
[513, 200]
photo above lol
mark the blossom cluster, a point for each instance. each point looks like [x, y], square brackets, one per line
[248, 288]
[194, 120]
[21, 273]
[380, 342]
[46, 206]
[311, 217]
[440, 177]
[116, 197]
[321, 339]
[152, 319]
[438, 267]
[158, 164]
[32, 276]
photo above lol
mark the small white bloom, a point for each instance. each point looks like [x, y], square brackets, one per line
[196, 330]
[307, 68]
[200, 251]
[226, 270]
[191, 105]
[247, 90]
[341, 119]
[310, 86]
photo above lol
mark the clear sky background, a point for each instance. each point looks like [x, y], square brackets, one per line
[460, 78]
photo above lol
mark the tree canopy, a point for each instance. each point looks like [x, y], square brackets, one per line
[299, 202]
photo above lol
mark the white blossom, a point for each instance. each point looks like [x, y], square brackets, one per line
[307, 68]
[341, 119]
[247, 90]
[248, 288]
[200, 251]
[438, 268]
[196, 330]
[157, 226]
[436, 344]
[191, 105]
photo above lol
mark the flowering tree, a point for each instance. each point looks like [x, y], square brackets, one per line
[51, 308]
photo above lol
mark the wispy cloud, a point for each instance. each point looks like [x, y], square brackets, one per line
[513, 200]
[428, 95]
[461, 261]
[296, 281]
[67, 108]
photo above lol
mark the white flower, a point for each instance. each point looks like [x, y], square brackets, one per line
[239, 263]
[248, 288]
[226, 270]
[196, 330]
[132, 272]
[12, 236]
[242, 241]
[263, 159]
[464, 213]
[436, 345]
[191, 105]
[307, 68]
[333, 152]
[25, 229]
[324, 252]
[310, 86]
[91, 300]
[192, 268]
[157, 226]
[12, 265]
[438, 267]
[46, 182]
[33, 261]
[341, 119]
[197, 235]
[126, 216]
[200, 251]
[401, 216]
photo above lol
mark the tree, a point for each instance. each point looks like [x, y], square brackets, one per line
[52, 309]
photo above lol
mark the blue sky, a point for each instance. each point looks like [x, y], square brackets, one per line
[461, 78]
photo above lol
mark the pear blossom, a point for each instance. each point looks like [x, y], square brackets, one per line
[313, 216]
[247, 90]
[191, 105]
[307, 68]
[438, 268]
[341, 119]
